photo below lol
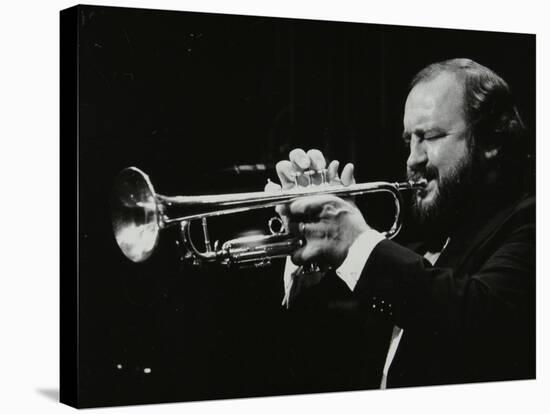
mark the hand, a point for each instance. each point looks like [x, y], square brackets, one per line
[328, 224]
[299, 161]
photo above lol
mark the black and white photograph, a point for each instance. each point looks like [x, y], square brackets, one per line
[273, 206]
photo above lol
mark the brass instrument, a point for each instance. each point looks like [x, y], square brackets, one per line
[139, 213]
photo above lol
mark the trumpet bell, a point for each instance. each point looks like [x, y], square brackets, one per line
[135, 214]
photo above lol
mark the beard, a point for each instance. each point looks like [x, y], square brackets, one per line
[453, 194]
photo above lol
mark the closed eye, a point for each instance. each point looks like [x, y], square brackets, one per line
[434, 136]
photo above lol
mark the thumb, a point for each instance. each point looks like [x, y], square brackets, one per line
[271, 187]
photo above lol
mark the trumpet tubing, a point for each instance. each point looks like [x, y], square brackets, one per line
[139, 213]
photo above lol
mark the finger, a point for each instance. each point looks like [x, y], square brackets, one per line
[299, 157]
[311, 252]
[332, 172]
[293, 226]
[317, 160]
[282, 210]
[313, 230]
[317, 166]
[347, 174]
[310, 207]
[300, 164]
[285, 220]
[271, 187]
[310, 230]
[285, 172]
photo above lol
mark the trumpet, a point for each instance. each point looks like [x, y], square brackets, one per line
[139, 214]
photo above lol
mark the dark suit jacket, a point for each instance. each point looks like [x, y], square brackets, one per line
[471, 317]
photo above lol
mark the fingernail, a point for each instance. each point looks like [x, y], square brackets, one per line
[303, 162]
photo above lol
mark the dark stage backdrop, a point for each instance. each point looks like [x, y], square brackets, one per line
[187, 96]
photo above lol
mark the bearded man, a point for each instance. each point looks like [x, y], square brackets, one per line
[461, 304]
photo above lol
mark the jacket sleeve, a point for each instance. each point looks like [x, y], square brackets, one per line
[401, 285]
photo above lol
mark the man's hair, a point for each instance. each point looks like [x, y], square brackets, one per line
[490, 111]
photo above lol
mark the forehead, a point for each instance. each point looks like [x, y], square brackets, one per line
[435, 102]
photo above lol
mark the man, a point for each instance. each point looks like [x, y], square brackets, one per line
[461, 306]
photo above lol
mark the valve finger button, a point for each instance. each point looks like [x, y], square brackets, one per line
[295, 176]
[309, 175]
[323, 174]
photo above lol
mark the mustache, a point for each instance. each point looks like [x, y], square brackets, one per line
[427, 172]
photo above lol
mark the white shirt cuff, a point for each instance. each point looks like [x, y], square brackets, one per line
[288, 278]
[349, 271]
[352, 267]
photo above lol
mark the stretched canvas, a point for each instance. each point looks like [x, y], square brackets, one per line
[207, 104]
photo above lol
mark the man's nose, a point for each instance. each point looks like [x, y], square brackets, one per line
[417, 156]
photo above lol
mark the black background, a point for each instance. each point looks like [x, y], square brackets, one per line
[185, 97]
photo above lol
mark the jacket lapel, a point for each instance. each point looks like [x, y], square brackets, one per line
[463, 245]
